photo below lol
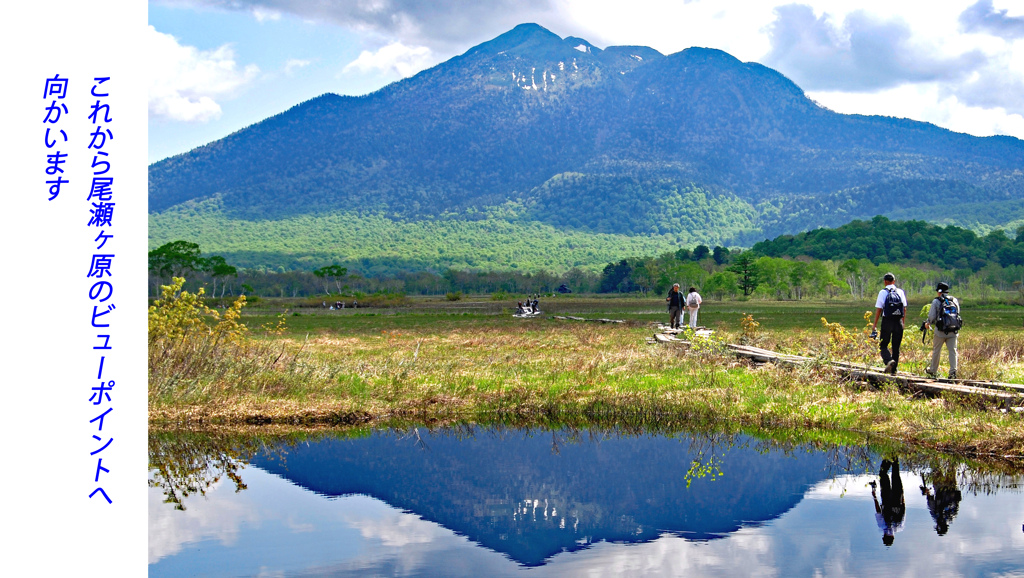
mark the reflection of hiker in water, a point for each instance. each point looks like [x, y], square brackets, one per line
[943, 498]
[890, 513]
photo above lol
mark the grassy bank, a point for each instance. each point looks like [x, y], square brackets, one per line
[442, 362]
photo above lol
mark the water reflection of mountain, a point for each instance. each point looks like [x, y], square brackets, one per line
[516, 494]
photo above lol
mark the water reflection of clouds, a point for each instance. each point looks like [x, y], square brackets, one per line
[831, 532]
[216, 517]
[396, 530]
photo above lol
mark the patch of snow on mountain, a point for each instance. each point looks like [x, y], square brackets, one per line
[583, 48]
[637, 57]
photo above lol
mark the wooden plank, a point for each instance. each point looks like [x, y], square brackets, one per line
[1003, 393]
[986, 384]
[571, 318]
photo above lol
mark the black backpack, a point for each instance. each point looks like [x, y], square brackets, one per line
[893, 306]
[948, 318]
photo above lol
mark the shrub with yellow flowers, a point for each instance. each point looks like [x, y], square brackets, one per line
[178, 315]
[750, 329]
[840, 339]
[192, 347]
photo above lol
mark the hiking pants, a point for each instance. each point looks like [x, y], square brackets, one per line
[894, 507]
[693, 316]
[674, 315]
[943, 338]
[892, 330]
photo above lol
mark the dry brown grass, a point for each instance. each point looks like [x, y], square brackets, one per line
[493, 369]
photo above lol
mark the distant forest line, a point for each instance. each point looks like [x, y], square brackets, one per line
[538, 235]
[823, 263]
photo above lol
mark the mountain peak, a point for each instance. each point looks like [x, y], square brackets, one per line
[523, 37]
[581, 45]
[557, 123]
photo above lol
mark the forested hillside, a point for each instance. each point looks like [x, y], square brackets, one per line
[532, 129]
[823, 263]
[376, 244]
[883, 241]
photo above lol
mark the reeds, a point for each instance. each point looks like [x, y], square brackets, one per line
[486, 368]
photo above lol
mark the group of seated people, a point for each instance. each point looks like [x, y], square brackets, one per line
[528, 307]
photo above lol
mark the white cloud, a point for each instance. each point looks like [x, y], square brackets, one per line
[294, 64]
[396, 529]
[444, 25]
[961, 60]
[984, 17]
[927, 103]
[220, 519]
[262, 14]
[186, 82]
[394, 58]
[861, 52]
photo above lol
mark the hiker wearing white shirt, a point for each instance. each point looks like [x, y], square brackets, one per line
[693, 302]
[891, 306]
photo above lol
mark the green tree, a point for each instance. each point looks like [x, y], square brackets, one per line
[615, 277]
[721, 284]
[217, 267]
[175, 258]
[745, 266]
[329, 273]
[645, 275]
[720, 255]
[798, 277]
[859, 274]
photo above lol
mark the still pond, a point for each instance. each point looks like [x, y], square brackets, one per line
[475, 501]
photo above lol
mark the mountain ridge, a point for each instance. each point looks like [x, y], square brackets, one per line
[508, 119]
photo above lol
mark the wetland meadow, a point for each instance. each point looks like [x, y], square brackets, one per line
[438, 437]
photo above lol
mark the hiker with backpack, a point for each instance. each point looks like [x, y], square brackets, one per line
[891, 306]
[944, 315]
[693, 301]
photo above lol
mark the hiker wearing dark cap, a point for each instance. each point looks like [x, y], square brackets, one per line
[944, 316]
[891, 306]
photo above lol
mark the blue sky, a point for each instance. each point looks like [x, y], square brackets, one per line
[288, 61]
[221, 65]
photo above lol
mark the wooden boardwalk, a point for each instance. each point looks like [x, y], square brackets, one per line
[571, 318]
[1003, 394]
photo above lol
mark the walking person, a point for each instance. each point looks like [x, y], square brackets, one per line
[675, 306]
[891, 306]
[943, 498]
[693, 301]
[893, 509]
[944, 316]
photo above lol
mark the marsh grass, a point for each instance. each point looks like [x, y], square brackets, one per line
[442, 366]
